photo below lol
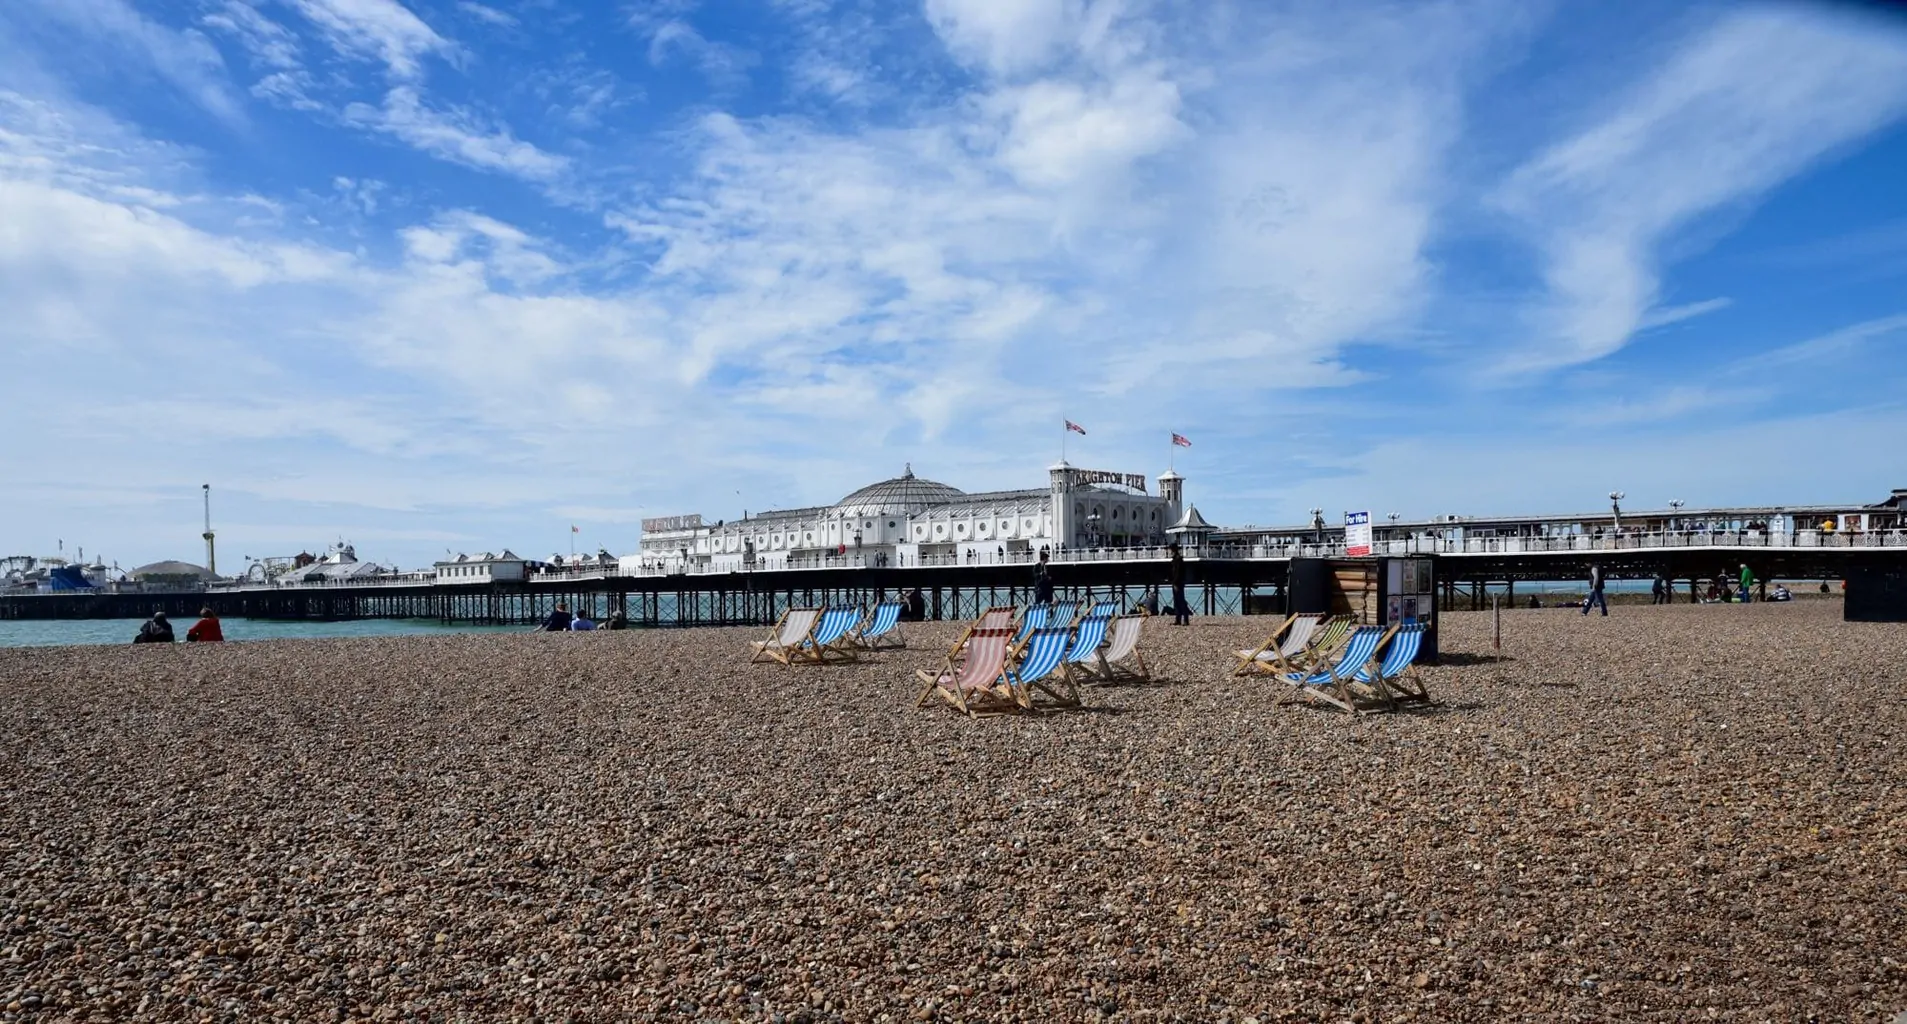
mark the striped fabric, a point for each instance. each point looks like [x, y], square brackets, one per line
[1092, 634]
[795, 627]
[1062, 613]
[1297, 638]
[1045, 649]
[986, 655]
[1103, 610]
[1398, 656]
[1125, 636]
[885, 617]
[1034, 618]
[1356, 653]
[835, 623]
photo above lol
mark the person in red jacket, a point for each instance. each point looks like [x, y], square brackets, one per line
[206, 630]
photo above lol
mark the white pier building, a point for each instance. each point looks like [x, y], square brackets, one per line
[909, 520]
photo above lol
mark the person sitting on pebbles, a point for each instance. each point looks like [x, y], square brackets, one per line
[206, 630]
[559, 620]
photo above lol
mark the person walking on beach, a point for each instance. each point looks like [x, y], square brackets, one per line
[1659, 591]
[1042, 582]
[206, 630]
[559, 620]
[1595, 592]
[1747, 582]
[916, 606]
[156, 630]
[1175, 574]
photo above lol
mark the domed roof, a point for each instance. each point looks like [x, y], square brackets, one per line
[903, 495]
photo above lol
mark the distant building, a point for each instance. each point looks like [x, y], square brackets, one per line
[908, 520]
[339, 565]
[483, 567]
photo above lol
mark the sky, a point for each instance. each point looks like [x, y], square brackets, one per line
[441, 275]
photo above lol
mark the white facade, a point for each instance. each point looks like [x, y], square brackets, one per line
[911, 521]
[480, 568]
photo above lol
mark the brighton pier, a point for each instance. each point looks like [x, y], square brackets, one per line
[1105, 537]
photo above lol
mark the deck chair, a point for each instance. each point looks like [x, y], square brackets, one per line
[1325, 644]
[1101, 609]
[1396, 676]
[1087, 640]
[881, 630]
[1273, 656]
[829, 638]
[1338, 684]
[971, 678]
[996, 617]
[794, 626]
[1120, 660]
[1039, 665]
[1034, 617]
[1061, 615]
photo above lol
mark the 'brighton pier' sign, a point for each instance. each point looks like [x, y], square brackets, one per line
[1136, 481]
[670, 524]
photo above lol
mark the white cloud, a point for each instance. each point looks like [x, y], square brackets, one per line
[270, 44]
[1750, 102]
[383, 30]
[1663, 316]
[456, 136]
[487, 14]
[1007, 37]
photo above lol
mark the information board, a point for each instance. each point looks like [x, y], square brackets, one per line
[1357, 534]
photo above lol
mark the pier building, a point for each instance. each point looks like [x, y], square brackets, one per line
[909, 521]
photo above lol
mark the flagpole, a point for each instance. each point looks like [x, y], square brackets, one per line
[1063, 431]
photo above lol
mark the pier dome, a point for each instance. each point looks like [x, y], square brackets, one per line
[902, 495]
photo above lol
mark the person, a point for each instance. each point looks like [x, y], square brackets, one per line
[1150, 603]
[581, 625]
[617, 620]
[1042, 581]
[1824, 587]
[206, 630]
[1747, 581]
[1781, 593]
[156, 630]
[1181, 612]
[916, 606]
[1596, 597]
[1534, 603]
[559, 620]
[1657, 591]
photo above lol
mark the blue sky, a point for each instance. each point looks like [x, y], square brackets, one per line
[440, 274]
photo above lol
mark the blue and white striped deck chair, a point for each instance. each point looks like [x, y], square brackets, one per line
[1101, 610]
[1090, 637]
[1041, 666]
[1061, 617]
[1337, 684]
[882, 628]
[826, 641]
[1396, 676]
[1034, 617]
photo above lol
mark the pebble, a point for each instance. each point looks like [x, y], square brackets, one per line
[1669, 814]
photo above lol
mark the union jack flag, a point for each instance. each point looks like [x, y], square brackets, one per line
[1075, 428]
[1181, 440]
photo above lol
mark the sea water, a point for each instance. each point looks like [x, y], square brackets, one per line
[57, 632]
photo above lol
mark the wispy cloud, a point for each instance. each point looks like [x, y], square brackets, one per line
[382, 30]
[455, 135]
[1744, 105]
[184, 58]
[1662, 316]
[487, 14]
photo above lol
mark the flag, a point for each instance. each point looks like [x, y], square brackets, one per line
[573, 528]
[1181, 440]
[1075, 428]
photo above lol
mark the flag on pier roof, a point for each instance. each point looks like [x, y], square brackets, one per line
[1075, 428]
[1181, 440]
[573, 528]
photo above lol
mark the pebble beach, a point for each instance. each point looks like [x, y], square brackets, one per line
[1671, 814]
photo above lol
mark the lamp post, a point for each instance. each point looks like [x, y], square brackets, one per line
[1092, 528]
[1317, 525]
[1393, 517]
[1675, 505]
[1615, 504]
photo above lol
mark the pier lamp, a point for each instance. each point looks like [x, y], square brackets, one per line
[1615, 503]
[1317, 524]
[1676, 504]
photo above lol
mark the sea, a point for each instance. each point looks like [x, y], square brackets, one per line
[62, 632]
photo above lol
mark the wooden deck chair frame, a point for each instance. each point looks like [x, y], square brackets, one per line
[1253, 662]
[967, 682]
[1326, 641]
[777, 647]
[1107, 667]
[1406, 685]
[1341, 686]
[1056, 682]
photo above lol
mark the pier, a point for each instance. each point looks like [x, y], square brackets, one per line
[1221, 580]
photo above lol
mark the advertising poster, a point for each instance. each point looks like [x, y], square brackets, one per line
[1357, 534]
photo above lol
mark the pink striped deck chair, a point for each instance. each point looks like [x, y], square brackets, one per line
[972, 679]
